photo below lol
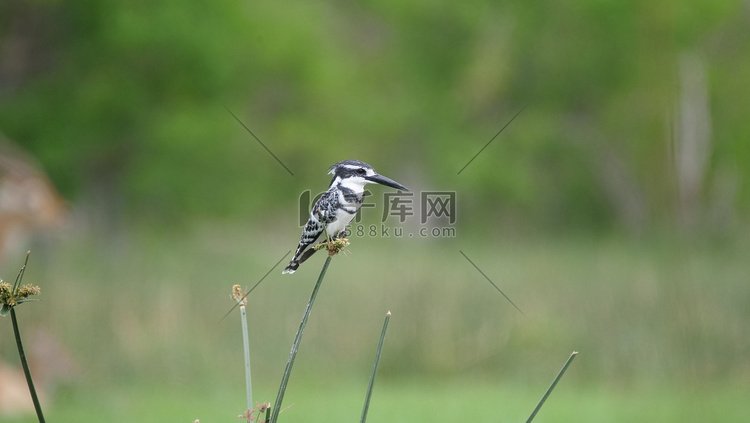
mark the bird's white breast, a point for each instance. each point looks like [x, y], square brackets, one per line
[342, 220]
[344, 215]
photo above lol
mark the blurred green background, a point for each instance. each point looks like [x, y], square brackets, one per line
[613, 210]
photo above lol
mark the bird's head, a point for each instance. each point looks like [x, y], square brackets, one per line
[355, 175]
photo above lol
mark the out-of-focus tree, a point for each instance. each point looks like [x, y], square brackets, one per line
[124, 103]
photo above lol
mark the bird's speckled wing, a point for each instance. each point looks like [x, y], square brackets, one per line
[323, 213]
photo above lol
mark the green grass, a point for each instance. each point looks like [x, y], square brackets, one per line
[661, 326]
[415, 401]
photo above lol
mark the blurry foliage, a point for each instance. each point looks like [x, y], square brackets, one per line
[125, 101]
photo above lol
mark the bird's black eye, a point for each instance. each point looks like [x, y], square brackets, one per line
[361, 171]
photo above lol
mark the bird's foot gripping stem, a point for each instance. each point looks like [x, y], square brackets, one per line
[333, 246]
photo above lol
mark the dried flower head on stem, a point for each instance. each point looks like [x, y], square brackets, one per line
[238, 295]
[334, 246]
[256, 413]
[11, 296]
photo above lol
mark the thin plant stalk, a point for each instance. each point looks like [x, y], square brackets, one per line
[375, 369]
[25, 365]
[552, 386]
[246, 344]
[295, 345]
[19, 343]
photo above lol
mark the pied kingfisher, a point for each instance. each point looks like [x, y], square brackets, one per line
[337, 206]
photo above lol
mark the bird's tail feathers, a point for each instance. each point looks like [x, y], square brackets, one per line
[300, 256]
[290, 268]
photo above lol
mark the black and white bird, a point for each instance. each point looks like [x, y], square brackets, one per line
[337, 207]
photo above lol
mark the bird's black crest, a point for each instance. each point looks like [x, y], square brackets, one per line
[341, 170]
[340, 165]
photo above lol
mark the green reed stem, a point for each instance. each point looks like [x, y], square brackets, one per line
[552, 386]
[25, 365]
[375, 368]
[295, 345]
[246, 345]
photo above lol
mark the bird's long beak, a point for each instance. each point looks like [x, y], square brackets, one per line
[382, 180]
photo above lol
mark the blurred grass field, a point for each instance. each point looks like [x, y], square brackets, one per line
[399, 401]
[661, 326]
